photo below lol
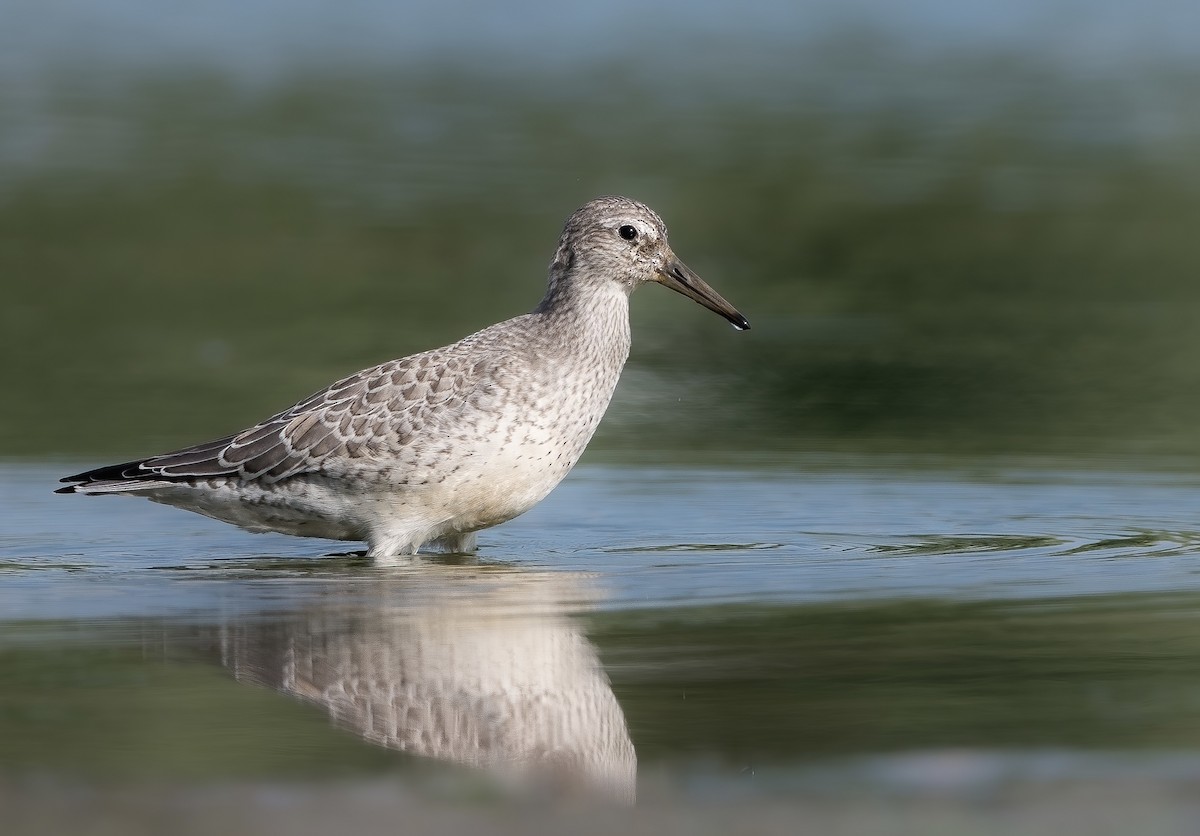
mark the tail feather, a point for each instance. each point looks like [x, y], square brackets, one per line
[116, 478]
[197, 461]
[110, 472]
[122, 486]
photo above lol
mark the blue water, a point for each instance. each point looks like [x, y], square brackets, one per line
[662, 536]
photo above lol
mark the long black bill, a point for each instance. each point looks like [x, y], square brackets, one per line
[680, 278]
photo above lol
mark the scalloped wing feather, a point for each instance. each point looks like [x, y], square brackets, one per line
[373, 413]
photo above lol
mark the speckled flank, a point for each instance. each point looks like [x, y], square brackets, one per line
[428, 449]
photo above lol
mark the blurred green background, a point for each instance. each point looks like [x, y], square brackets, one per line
[960, 243]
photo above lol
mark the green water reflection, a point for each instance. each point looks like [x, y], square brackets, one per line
[777, 684]
[744, 688]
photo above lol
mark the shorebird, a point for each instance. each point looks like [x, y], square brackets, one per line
[431, 448]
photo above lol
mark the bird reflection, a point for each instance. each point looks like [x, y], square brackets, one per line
[482, 668]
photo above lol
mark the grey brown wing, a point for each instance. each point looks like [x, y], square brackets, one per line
[371, 414]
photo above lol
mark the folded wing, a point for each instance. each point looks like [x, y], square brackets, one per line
[372, 414]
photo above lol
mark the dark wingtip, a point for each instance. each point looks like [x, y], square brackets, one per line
[112, 472]
[740, 323]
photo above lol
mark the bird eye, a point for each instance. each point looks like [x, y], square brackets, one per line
[627, 232]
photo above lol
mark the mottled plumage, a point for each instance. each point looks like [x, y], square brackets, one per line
[501, 679]
[428, 449]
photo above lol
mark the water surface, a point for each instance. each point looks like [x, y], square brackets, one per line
[811, 627]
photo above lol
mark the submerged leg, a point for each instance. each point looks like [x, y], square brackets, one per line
[407, 542]
[391, 544]
[459, 543]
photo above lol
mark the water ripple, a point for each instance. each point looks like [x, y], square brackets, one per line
[947, 544]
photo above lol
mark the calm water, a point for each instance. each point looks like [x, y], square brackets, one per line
[957, 228]
[816, 627]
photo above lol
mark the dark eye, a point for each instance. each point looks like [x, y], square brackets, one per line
[627, 232]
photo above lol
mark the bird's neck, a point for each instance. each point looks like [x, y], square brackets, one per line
[595, 314]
